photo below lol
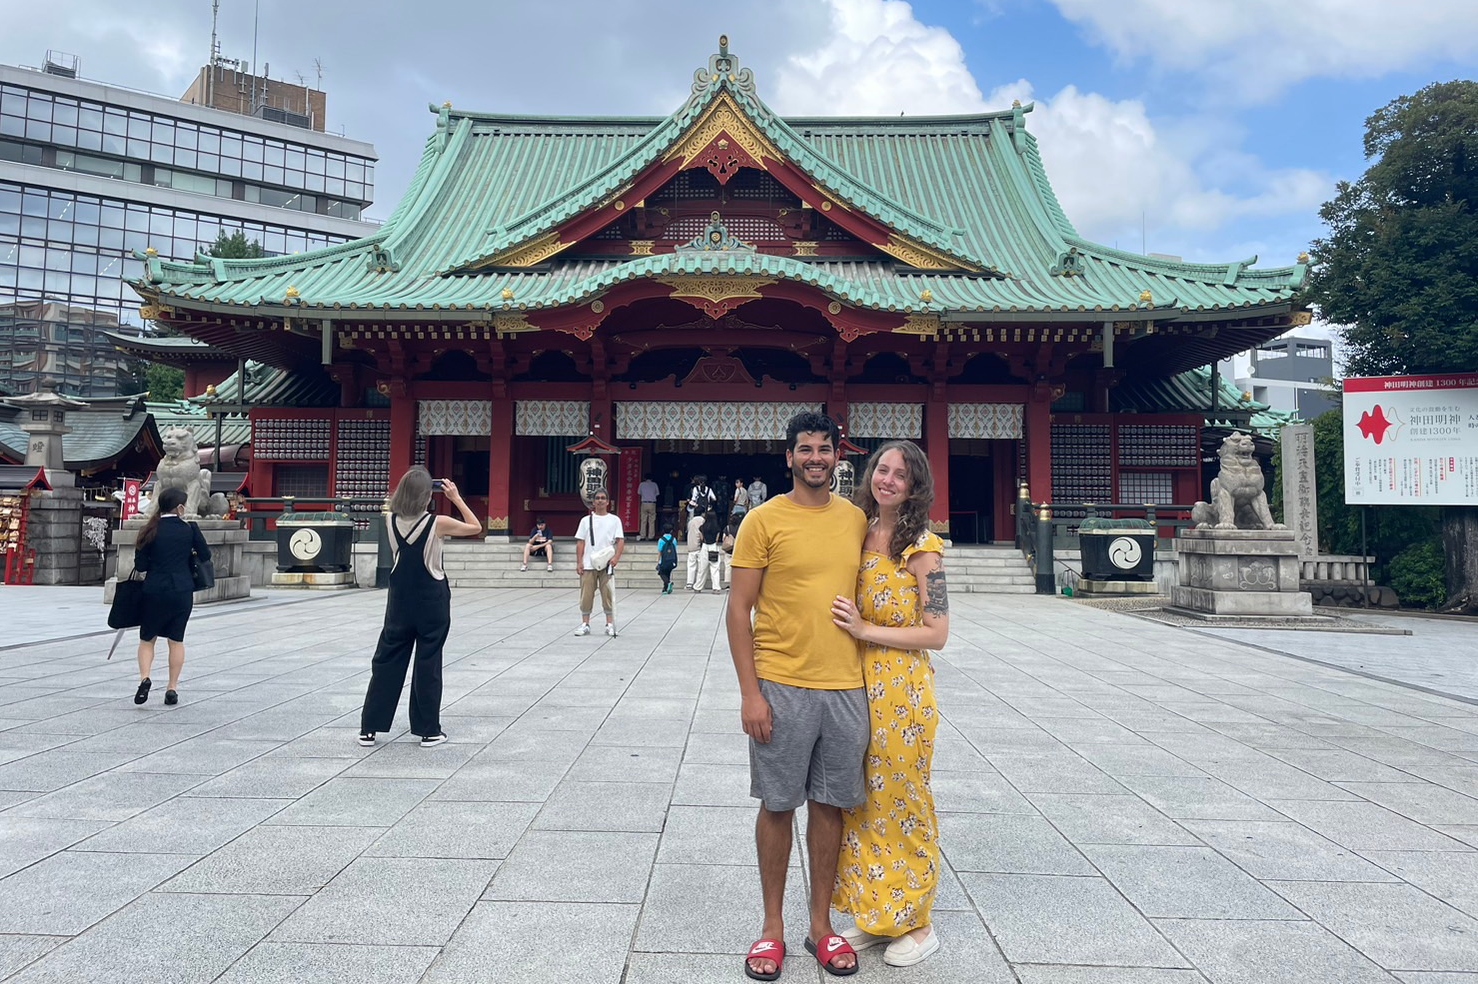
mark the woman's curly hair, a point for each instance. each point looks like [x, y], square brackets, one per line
[913, 513]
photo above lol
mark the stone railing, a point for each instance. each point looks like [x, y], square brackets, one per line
[1335, 567]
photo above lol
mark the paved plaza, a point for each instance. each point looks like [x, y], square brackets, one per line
[1121, 802]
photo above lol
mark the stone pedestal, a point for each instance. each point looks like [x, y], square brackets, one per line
[313, 580]
[1092, 587]
[226, 539]
[54, 531]
[1240, 572]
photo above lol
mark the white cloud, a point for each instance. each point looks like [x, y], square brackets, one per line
[1254, 49]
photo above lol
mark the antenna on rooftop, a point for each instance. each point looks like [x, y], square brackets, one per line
[318, 67]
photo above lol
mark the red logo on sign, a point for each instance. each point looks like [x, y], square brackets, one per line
[1373, 424]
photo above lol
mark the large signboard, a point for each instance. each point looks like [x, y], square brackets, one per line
[1411, 440]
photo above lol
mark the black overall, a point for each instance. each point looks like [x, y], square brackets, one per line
[418, 613]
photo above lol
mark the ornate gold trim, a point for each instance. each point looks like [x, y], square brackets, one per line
[511, 323]
[723, 116]
[939, 527]
[529, 254]
[642, 247]
[926, 325]
[498, 524]
[804, 248]
[1300, 318]
[155, 312]
[716, 289]
[922, 257]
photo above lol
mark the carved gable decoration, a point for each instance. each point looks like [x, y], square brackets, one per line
[719, 369]
[716, 238]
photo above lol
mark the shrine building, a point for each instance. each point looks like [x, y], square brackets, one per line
[671, 291]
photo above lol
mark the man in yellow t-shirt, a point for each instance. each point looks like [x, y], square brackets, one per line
[800, 678]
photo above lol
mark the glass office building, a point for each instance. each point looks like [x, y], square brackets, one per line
[89, 173]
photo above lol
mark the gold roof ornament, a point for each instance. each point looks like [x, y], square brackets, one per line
[447, 104]
[151, 251]
[1303, 257]
[927, 296]
[1016, 104]
[507, 293]
[210, 391]
[292, 294]
[1146, 298]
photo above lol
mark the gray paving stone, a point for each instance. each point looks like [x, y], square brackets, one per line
[620, 763]
[55, 768]
[25, 840]
[1186, 882]
[710, 835]
[408, 760]
[627, 806]
[1340, 765]
[976, 792]
[695, 908]
[731, 748]
[1253, 952]
[1052, 772]
[417, 902]
[1091, 818]
[575, 866]
[713, 785]
[1043, 974]
[272, 777]
[205, 755]
[189, 938]
[1420, 801]
[16, 951]
[276, 861]
[450, 829]
[1194, 797]
[1436, 977]
[1451, 877]
[358, 802]
[184, 825]
[1137, 760]
[1364, 826]
[496, 940]
[1282, 849]
[110, 796]
[1004, 842]
[1396, 926]
[309, 963]
[67, 892]
[1058, 919]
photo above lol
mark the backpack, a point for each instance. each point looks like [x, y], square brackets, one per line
[667, 553]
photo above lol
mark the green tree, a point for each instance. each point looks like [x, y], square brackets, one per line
[1399, 267]
[235, 247]
[165, 383]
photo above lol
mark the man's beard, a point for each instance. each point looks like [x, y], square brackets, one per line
[800, 476]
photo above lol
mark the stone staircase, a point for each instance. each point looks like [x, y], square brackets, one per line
[494, 564]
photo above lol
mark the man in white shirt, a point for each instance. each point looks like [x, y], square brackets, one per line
[701, 498]
[599, 542]
[648, 491]
[697, 556]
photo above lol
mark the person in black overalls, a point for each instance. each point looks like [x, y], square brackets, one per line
[418, 611]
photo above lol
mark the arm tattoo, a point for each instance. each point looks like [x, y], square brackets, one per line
[938, 593]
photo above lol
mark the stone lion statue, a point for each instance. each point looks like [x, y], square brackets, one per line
[1237, 498]
[180, 469]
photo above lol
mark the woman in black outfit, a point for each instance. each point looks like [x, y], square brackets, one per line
[165, 546]
[418, 611]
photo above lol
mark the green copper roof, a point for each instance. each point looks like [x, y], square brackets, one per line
[970, 187]
[1190, 391]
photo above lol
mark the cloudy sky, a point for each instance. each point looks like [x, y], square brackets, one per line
[1211, 129]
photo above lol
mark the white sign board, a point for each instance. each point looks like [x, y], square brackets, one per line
[1411, 440]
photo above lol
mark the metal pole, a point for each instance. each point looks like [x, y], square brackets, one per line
[1046, 571]
[1364, 562]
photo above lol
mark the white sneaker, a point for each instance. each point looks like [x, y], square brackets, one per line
[905, 952]
[584, 629]
[861, 939]
[610, 629]
[525, 567]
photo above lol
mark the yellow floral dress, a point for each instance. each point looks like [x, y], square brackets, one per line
[889, 870]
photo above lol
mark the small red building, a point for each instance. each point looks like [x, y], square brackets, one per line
[679, 287]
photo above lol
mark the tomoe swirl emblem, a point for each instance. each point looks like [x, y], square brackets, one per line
[1124, 553]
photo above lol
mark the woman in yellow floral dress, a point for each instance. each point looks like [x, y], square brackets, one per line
[889, 870]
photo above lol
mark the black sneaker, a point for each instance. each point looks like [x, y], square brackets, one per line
[366, 738]
[428, 740]
[171, 697]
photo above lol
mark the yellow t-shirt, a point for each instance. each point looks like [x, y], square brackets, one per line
[810, 554]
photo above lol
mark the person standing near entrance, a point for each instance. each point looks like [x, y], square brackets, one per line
[800, 681]
[697, 561]
[418, 609]
[740, 503]
[599, 542]
[758, 492]
[648, 492]
[701, 498]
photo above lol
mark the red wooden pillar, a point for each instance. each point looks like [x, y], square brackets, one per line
[1038, 427]
[500, 468]
[402, 432]
[936, 435]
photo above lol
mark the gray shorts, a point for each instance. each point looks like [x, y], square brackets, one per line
[818, 740]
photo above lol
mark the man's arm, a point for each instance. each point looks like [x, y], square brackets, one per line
[620, 549]
[579, 549]
[744, 593]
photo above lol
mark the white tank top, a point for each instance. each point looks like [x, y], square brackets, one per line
[432, 546]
